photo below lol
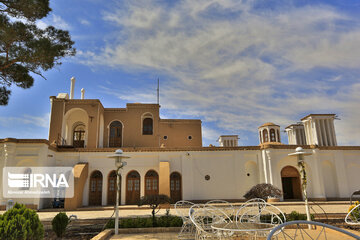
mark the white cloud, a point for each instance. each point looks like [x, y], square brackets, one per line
[85, 22]
[40, 121]
[237, 67]
[53, 20]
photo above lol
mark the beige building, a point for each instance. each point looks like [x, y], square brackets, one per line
[167, 156]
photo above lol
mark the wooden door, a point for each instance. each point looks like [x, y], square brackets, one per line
[175, 187]
[133, 188]
[95, 193]
[112, 188]
[291, 183]
[151, 183]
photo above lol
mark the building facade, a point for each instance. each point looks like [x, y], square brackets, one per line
[167, 156]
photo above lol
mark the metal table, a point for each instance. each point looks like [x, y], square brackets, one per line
[230, 230]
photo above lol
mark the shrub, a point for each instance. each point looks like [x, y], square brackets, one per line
[20, 223]
[163, 221]
[355, 215]
[294, 216]
[263, 191]
[59, 224]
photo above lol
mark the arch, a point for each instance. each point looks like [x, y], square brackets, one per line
[111, 191]
[71, 117]
[252, 174]
[101, 132]
[95, 191]
[330, 179]
[132, 187]
[175, 187]
[115, 133]
[272, 135]
[151, 183]
[147, 123]
[265, 135]
[78, 135]
[291, 184]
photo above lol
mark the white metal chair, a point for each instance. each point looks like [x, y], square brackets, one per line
[353, 217]
[225, 206]
[256, 203]
[260, 213]
[203, 216]
[188, 228]
[299, 230]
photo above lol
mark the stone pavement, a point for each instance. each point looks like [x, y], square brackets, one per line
[340, 207]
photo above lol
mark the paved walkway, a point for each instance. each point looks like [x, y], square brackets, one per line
[135, 211]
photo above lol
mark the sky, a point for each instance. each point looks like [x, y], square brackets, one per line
[234, 64]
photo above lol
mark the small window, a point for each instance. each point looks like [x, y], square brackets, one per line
[207, 177]
[165, 137]
[189, 137]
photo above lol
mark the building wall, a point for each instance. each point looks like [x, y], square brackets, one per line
[332, 173]
[65, 113]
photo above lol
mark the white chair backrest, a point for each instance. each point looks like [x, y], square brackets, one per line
[182, 209]
[353, 217]
[260, 212]
[202, 216]
[225, 206]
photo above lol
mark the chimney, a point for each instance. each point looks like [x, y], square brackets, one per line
[82, 93]
[72, 87]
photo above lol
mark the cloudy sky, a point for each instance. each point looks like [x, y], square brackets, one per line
[233, 64]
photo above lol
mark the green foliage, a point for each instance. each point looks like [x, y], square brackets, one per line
[59, 224]
[20, 223]
[163, 221]
[294, 215]
[263, 191]
[25, 48]
[154, 202]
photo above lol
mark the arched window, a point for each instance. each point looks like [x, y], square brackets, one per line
[272, 135]
[175, 187]
[151, 183]
[115, 136]
[265, 136]
[147, 126]
[79, 136]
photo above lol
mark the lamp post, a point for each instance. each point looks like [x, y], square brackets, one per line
[299, 153]
[118, 156]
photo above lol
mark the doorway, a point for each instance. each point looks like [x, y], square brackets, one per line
[291, 183]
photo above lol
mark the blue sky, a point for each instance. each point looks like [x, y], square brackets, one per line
[233, 64]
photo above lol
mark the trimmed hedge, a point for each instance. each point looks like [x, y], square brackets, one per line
[163, 221]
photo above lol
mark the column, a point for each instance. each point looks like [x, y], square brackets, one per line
[342, 179]
[324, 132]
[316, 179]
[268, 154]
[333, 132]
[164, 178]
[263, 155]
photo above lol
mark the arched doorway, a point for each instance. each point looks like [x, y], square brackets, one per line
[115, 138]
[111, 199]
[95, 192]
[133, 188]
[151, 183]
[175, 187]
[79, 135]
[291, 183]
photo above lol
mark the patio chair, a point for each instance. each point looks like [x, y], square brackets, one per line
[203, 216]
[260, 213]
[353, 217]
[188, 228]
[225, 206]
[299, 230]
[256, 203]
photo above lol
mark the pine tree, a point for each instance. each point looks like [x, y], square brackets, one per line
[25, 48]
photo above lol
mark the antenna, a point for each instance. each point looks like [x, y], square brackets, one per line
[158, 91]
